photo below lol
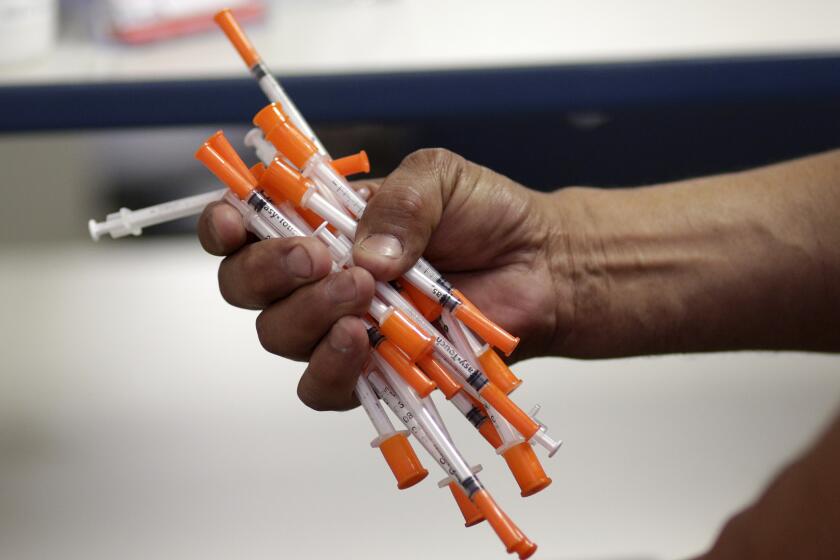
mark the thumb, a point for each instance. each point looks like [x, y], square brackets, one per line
[400, 218]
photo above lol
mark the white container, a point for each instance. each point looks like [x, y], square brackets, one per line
[27, 29]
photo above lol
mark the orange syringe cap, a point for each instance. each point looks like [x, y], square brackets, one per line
[447, 384]
[352, 164]
[526, 469]
[492, 333]
[497, 371]
[257, 170]
[402, 460]
[510, 535]
[220, 143]
[237, 37]
[311, 218]
[225, 172]
[430, 309]
[282, 182]
[517, 417]
[403, 332]
[270, 117]
[525, 548]
[490, 433]
[403, 366]
[284, 136]
[472, 515]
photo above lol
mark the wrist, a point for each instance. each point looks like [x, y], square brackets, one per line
[579, 258]
[638, 273]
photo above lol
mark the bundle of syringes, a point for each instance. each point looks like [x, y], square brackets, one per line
[424, 333]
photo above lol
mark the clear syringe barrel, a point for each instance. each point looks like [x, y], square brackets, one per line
[313, 200]
[341, 255]
[373, 409]
[466, 407]
[272, 215]
[461, 471]
[250, 218]
[426, 269]
[430, 405]
[319, 169]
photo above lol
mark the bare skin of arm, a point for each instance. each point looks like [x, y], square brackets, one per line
[748, 260]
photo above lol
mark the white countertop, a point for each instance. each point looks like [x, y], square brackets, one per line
[139, 418]
[348, 36]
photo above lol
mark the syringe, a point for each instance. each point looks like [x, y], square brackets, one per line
[268, 84]
[132, 222]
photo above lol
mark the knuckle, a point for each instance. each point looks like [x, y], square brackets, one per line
[402, 204]
[445, 169]
[429, 158]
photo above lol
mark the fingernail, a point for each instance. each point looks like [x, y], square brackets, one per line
[342, 287]
[340, 339]
[383, 245]
[299, 262]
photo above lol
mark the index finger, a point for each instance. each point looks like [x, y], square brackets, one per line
[220, 229]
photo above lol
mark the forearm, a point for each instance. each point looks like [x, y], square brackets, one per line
[746, 260]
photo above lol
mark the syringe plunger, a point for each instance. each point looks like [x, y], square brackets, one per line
[131, 222]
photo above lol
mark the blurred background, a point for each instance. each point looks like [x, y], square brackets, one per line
[139, 416]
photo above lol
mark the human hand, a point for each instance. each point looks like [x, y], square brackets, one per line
[494, 239]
